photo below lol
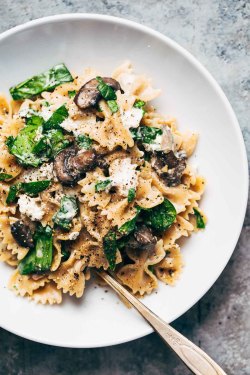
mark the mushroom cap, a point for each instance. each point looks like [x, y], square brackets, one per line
[89, 95]
[71, 163]
[22, 234]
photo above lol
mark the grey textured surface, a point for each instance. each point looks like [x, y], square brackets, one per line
[217, 33]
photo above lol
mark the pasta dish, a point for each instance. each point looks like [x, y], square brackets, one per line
[92, 176]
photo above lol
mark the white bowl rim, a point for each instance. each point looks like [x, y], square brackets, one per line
[217, 88]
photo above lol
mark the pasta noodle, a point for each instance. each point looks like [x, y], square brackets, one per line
[92, 176]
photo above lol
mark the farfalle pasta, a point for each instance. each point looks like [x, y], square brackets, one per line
[92, 176]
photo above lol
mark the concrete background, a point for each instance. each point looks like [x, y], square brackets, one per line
[217, 33]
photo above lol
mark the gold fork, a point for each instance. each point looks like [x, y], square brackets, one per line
[195, 359]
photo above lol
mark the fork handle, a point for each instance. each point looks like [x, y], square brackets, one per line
[195, 359]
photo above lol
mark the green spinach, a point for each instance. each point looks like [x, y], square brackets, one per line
[46, 81]
[199, 219]
[5, 176]
[145, 134]
[160, 217]
[56, 119]
[106, 91]
[84, 141]
[72, 93]
[113, 106]
[131, 195]
[68, 210]
[30, 188]
[140, 104]
[102, 185]
[39, 259]
[23, 144]
[110, 248]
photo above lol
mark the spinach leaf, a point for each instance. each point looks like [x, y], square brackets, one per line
[113, 106]
[130, 225]
[102, 185]
[56, 118]
[145, 134]
[29, 188]
[110, 248]
[46, 81]
[131, 195]
[84, 141]
[22, 146]
[140, 104]
[71, 93]
[199, 219]
[13, 191]
[51, 144]
[106, 91]
[5, 176]
[39, 259]
[160, 217]
[68, 210]
[34, 188]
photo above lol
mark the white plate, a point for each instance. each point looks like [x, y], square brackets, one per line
[191, 95]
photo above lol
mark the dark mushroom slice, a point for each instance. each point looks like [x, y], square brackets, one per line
[22, 234]
[89, 95]
[71, 163]
[143, 239]
[176, 165]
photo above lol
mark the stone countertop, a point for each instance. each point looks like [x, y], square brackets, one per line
[217, 33]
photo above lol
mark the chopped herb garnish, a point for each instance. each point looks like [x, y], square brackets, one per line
[68, 210]
[110, 248]
[56, 119]
[160, 217]
[46, 104]
[29, 188]
[34, 188]
[84, 141]
[39, 259]
[130, 225]
[72, 93]
[106, 91]
[113, 106]
[131, 195]
[46, 81]
[199, 219]
[145, 134]
[13, 191]
[22, 146]
[5, 176]
[140, 104]
[102, 185]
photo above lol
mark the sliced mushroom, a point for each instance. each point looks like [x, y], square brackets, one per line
[176, 164]
[143, 238]
[22, 234]
[70, 164]
[89, 95]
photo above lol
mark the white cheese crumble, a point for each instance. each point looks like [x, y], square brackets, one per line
[73, 236]
[31, 207]
[73, 126]
[162, 142]
[123, 175]
[45, 172]
[132, 118]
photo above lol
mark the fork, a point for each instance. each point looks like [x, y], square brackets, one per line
[193, 357]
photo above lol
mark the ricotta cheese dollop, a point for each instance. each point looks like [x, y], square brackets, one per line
[31, 207]
[123, 175]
